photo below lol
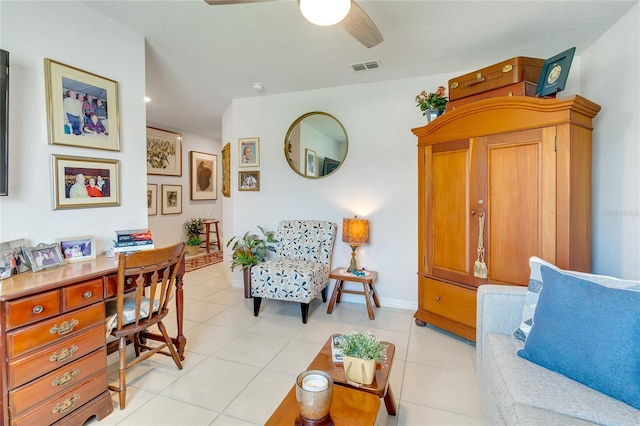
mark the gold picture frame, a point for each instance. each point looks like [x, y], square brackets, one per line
[249, 181]
[69, 117]
[164, 152]
[80, 182]
[171, 199]
[203, 176]
[226, 170]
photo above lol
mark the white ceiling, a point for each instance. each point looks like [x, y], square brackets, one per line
[200, 57]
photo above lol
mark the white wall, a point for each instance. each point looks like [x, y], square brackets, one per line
[169, 229]
[610, 77]
[32, 31]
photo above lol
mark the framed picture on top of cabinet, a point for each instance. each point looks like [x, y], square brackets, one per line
[249, 152]
[80, 182]
[76, 249]
[82, 108]
[171, 199]
[45, 256]
[152, 199]
[164, 152]
[13, 258]
[554, 74]
[204, 170]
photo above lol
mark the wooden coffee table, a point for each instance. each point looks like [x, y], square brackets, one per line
[380, 386]
[348, 407]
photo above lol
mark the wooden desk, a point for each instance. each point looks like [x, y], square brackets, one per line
[367, 283]
[380, 386]
[52, 322]
[207, 234]
[348, 407]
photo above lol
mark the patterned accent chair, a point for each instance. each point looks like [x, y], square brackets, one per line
[301, 268]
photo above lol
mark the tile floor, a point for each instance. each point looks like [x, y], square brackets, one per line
[239, 367]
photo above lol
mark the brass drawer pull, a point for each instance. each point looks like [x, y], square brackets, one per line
[38, 309]
[68, 403]
[64, 328]
[65, 378]
[87, 294]
[64, 354]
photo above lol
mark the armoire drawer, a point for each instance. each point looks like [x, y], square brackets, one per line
[55, 382]
[449, 301]
[31, 309]
[47, 359]
[63, 403]
[35, 336]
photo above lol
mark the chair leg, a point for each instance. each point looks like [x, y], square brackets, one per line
[121, 389]
[256, 305]
[172, 348]
[304, 308]
[324, 295]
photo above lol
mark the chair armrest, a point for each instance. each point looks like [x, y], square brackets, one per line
[499, 310]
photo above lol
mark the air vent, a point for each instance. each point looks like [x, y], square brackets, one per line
[368, 65]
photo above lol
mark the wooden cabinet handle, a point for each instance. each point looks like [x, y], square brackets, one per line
[67, 377]
[68, 403]
[64, 328]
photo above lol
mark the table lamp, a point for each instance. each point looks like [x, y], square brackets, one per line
[355, 232]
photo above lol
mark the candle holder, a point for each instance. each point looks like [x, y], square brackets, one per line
[313, 393]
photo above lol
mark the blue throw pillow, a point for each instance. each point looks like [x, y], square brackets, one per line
[588, 332]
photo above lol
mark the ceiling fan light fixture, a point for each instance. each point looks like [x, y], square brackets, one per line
[325, 12]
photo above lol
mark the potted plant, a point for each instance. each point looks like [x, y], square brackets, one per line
[249, 250]
[361, 352]
[432, 104]
[193, 227]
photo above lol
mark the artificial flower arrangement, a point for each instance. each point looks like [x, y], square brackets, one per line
[437, 100]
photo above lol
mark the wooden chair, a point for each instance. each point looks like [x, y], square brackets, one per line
[145, 282]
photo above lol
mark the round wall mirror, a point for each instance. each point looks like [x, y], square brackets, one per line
[316, 145]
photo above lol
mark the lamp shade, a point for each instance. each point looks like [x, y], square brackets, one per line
[355, 231]
[325, 12]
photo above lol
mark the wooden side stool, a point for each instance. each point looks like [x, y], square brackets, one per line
[208, 230]
[369, 291]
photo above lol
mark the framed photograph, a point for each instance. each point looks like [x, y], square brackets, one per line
[76, 249]
[84, 182]
[152, 199]
[226, 170]
[204, 170]
[249, 181]
[82, 108]
[164, 152]
[13, 259]
[171, 199]
[249, 152]
[310, 168]
[555, 71]
[45, 256]
[329, 166]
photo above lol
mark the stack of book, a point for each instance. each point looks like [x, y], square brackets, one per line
[132, 240]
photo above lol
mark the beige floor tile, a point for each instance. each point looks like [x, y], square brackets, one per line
[294, 357]
[224, 420]
[251, 348]
[419, 415]
[202, 311]
[164, 411]
[207, 338]
[226, 296]
[234, 317]
[438, 349]
[278, 326]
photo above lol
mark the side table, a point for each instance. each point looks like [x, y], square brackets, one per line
[207, 234]
[341, 275]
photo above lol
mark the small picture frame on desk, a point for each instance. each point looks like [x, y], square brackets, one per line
[77, 249]
[45, 256]
[13, 259]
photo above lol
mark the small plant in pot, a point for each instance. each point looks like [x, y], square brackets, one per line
[193, 227]
[362, 351]
[249, 250]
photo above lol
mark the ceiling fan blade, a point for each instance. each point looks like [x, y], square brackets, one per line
[361, 27]
[217, 2]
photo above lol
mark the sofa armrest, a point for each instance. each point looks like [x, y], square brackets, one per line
[499, 310]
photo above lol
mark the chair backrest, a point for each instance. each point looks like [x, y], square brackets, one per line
[151, 271]
[310, 240]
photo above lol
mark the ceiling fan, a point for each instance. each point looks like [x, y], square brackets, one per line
[356, 22]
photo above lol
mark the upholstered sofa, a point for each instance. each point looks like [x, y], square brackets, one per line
[516, 391]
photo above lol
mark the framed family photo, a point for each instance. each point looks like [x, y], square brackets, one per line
[76, 249]
[45, 256]
[226, 170]
[13, 259]
[171, 199]
[249, 152]
[84, 182]
[164, 152]
[82, 108]
[204, 170]
[249, 181]
[152, 199]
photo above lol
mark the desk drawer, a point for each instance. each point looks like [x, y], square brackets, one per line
[47, 359]
[83, 294]
[31, 309]
[449, 301]
[56, 329]
[57, 381]
[58, 406]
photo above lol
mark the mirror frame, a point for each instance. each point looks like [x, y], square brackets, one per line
[293, 126]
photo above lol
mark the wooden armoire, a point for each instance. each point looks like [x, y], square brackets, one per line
[511, 175]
